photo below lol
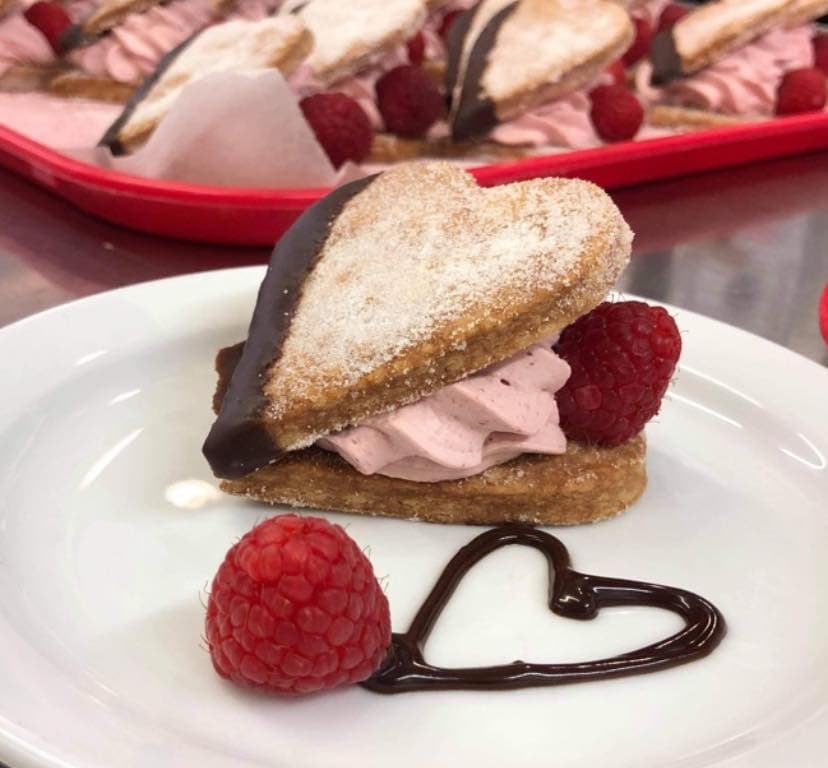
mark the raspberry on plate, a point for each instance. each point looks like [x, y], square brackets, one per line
[295, 608]
[340, 125]
[408, 100]
[616, 113]
[801, 90]
[622, 357]
[51, 19]
[641, 45]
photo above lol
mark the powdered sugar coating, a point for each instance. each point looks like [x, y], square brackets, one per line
[543, 43]
[346, 33]
[390, 279]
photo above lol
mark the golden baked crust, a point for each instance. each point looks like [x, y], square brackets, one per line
[388, 148]
[280, 42]
[584, 485]
[458, 278]
[79, 85]
[22, 78]
[710, 32]
[802, 11]
[349, 35]
[686, 118]
[549, 48]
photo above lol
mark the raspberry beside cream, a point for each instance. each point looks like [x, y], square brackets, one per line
[466, 427]
[744, 83]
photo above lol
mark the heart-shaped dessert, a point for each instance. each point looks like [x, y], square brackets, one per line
[348, 36]
[572, 595]
[389, 289]
[506, 58]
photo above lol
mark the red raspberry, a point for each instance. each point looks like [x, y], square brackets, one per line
[416, 48]
[622, 357]
[617, 72]
[408, 100]
[341, 126]
[445, 24]
[51, 19]
[670, 15]
[641, 45]
[616, 113]
[295, 607]
[801, 90]
[821, 52]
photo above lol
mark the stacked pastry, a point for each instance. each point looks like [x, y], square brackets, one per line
[386, 80]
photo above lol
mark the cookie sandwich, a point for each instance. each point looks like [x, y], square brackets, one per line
[401, 358]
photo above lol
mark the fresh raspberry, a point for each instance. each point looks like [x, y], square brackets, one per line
[823, 313]
[416, 48]
[821, 52]
[801, 90]
[295, 607]
[670, 15]
[408, 100]
[341, 126]
[616, 113]
[641, 45]
[445, 24]
[51, 19]
[622, 357]
[617, 72]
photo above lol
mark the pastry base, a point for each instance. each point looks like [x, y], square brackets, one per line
[79, 85]
[584, 485]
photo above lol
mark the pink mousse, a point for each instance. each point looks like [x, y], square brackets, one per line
[743, 83]
[466, 427]
[132, 50]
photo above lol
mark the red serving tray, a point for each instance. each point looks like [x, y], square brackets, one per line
[259, 216]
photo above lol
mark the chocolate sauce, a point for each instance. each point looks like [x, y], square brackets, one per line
[454, 49]
[239, 442]
[572, 595]
[665, 58]
[475, 114]
[110, 138]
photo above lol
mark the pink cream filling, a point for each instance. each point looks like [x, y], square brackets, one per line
[132, 50]
[743, 83]
[465, 428]
[361, 87]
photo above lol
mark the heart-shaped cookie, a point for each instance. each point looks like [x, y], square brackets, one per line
[389, 289]
[506, 58]
[348, 36]
[572, 595]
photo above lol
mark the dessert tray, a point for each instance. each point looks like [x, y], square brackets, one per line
[260, 216]
[112, 527]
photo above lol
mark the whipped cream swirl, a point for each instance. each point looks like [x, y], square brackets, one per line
[743, 83]
[466, 427]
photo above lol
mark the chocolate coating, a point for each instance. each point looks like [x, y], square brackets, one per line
[111, 137]
[239, 441]
[572, 595]
[475, 114]
[665, 58]
[454, 49]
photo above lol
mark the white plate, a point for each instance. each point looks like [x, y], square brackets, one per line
[110, 530]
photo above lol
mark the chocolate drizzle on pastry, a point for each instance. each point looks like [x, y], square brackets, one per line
[665, 58]
[475, 114]
[572, 595]
[111, 137]
[454, 49]
[239, 442]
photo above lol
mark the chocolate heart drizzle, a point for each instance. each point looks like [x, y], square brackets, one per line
[573, 595]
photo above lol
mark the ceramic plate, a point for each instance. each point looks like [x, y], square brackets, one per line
[111, 529]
